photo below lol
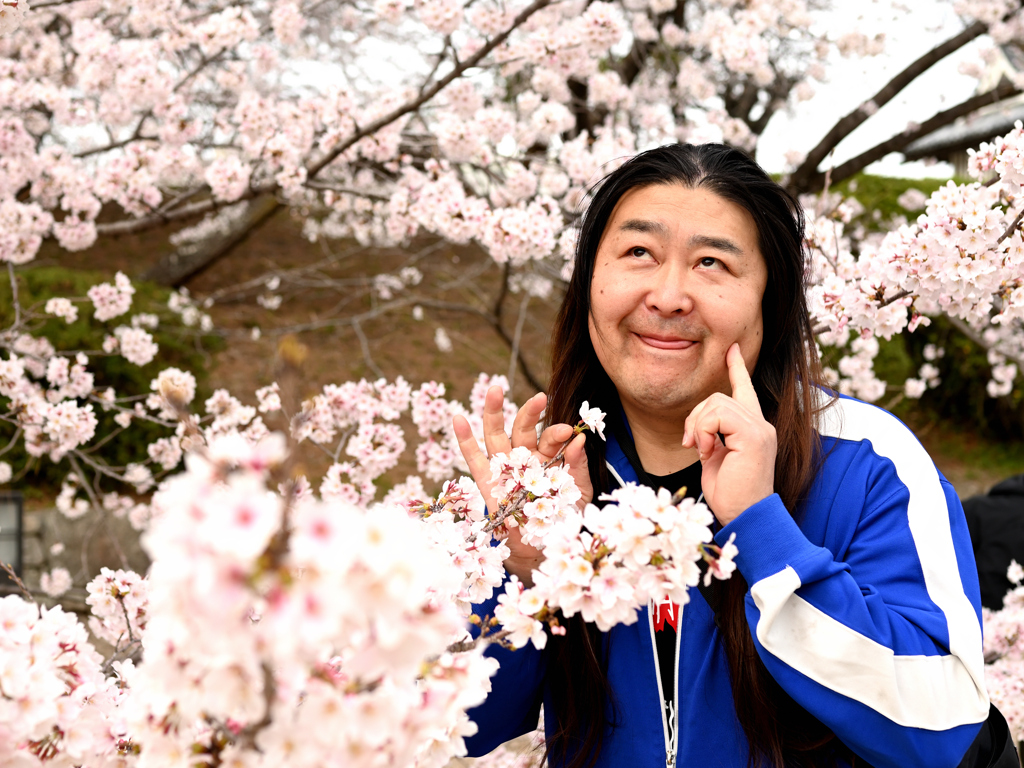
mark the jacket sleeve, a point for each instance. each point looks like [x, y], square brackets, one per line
[877, 633]
[512, 708]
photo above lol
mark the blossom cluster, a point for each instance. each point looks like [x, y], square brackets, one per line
[1004, 654]
[603, 562]
[961, 258]
[238, 567]
[57, 701]
[438, 456]
[200, 108]
[119, 601]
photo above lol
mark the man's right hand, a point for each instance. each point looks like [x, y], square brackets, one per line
[523, 558]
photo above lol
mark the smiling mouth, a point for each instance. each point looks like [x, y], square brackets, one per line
[666, 342]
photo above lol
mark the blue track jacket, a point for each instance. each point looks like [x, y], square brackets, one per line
[865, 609]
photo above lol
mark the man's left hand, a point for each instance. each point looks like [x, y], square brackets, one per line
[736, 445]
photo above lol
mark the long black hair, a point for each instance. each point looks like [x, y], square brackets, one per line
[785, 378]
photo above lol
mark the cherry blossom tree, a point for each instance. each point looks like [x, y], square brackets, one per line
[213, 116]
[117, 117]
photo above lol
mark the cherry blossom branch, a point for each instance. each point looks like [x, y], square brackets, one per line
[135, 136]
[516, 338]
[902, 294]
[1004, 90]
[204, 62]
[1011, 229]
[94, 500]
[364, 345]
[978, 339]
[205, 206]
[127, 621]
[513, 504]
[14, 296]
[247, 736]
[158, 218]
[468, 645]
[344, 190]
[802, 178]
[429, 93]
[54, 4]
[17, 581]
[14, 440]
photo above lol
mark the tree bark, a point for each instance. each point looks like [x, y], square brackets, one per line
[1004, 90]
[178, 268]
[809, 168]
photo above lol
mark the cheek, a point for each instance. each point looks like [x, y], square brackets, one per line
[612, 297]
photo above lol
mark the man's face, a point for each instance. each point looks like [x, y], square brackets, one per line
[679, 277]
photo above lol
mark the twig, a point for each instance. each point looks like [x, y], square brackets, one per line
[16, 580]
[822, 327]
[364, 344]
[976, 337]
[72, 460]
[14, 295]
[514, 357]
[828, 183]
[127, 621]
[1010, 229]
[468, 645]
[136, 136]
[14, 441]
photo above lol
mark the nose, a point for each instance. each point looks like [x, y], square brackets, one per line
[669, 292]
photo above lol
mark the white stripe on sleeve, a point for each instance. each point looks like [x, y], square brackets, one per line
[930, 692]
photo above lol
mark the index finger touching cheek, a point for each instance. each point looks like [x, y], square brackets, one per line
[742, 387]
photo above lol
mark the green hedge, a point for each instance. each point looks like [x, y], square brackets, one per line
[179, 347]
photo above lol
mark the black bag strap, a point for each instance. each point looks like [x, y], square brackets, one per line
[993, 747]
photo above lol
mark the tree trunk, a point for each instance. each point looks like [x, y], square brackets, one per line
[177, 268]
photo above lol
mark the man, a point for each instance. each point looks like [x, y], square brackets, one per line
[852, 631]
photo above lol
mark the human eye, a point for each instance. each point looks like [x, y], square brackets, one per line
[710, 262]
[639, 252]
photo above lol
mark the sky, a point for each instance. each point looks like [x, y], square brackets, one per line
[909, 33]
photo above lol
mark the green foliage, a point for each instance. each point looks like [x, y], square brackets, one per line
[961, 399]
[878, 195]
[179, 347]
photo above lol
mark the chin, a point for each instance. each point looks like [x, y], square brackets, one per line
[663, 395]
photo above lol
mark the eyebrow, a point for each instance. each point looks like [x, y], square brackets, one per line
[644, 225]
[718, 243]
[648, 226]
